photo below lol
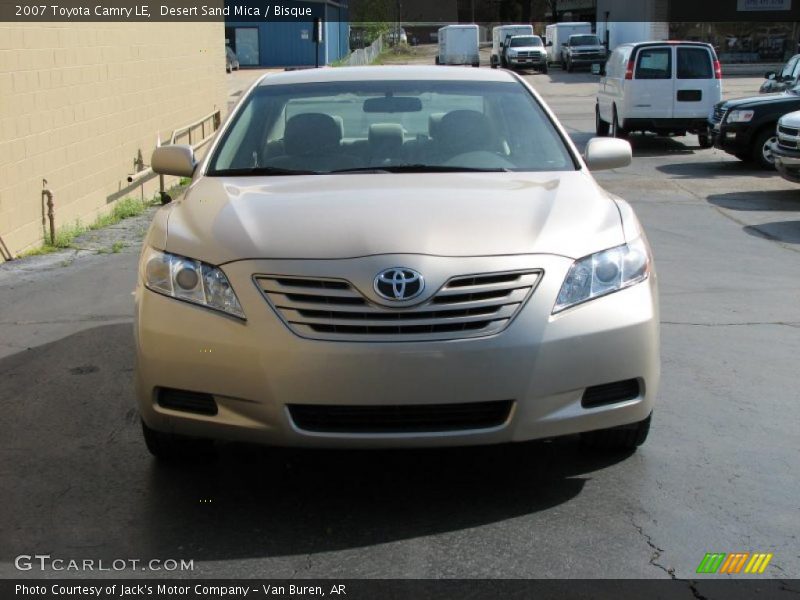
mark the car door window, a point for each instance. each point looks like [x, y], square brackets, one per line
[694, 63]
[654, 63]
[796, 71]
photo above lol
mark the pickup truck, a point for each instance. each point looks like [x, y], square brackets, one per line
[786, 151]
[524, 51]
[583, 49]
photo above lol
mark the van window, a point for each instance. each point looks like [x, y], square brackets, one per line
[694, 63]
[654, 63]
[789, 67]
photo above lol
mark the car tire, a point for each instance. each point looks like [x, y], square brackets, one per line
[173, 447]
[617, 131]
[743, 156]
[704, 140]
[437, 60]
[601, 128]
[544, 70]
[761, 154]
[625, 437]
[476, 65]
[569, 66]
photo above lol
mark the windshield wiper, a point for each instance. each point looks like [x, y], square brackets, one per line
[421, 169]
[261, 171]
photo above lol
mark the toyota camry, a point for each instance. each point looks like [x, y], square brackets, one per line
[394, 257]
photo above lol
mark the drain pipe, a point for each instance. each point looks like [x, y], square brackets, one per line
[47, 193]
[6, 253]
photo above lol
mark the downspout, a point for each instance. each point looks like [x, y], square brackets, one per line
[5, 251]
[47, 193]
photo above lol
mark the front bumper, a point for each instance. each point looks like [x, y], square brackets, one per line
[536, 61]
[254, 369]
[731, 138]
[591, 59]
[787, 162]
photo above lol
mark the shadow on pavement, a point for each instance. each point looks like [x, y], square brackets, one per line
[711, 170]
[651, 145]
[779, 231]
[78, 482]
[782, 200]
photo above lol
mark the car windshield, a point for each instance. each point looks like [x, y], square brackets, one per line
[526, 40]
[584, 40]
[390, 126]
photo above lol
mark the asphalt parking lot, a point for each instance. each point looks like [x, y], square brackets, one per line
[718, 473]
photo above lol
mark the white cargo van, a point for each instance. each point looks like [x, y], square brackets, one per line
[458, 45]
[668, 88]
[556, 36]
[499, 35]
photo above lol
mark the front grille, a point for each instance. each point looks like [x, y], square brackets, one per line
[718, 115]
[187, 401]
[415, 418]
[609, 393]
[333, 309]
[536, 56]
[788, 137]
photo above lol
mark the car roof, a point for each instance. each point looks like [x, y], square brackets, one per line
[393, 73]
[665, 43]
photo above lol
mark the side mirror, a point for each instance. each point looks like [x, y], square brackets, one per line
[173, 160]
[769, 75]
[607, 153]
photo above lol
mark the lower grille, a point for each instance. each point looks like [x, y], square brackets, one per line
[333, 309]
[417, 418]
[609, 393]
[186, 401]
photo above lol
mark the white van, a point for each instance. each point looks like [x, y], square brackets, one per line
[556, 36]
[499, 35]
[668, 88]
[458, 45]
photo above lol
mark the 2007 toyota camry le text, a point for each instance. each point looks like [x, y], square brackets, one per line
[394, 257]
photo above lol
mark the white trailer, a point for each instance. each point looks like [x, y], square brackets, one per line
[614, 33]
[499, 35]
[557, 34]
[458, 45]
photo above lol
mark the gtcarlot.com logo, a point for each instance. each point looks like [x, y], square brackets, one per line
[45, 562]
[734, 563]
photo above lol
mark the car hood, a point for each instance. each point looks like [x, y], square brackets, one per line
[760, 100]
[343, 216]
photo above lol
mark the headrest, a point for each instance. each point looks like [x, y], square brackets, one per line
[386, 136]
[465, 131]
[434, 120]
[311, 133]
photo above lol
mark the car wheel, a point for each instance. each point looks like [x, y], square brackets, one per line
[625, 437]
[169, 446]
[616, 130]
[601, 127]
[762, 148]
[544, 70]
[704, 140]
[476, 65]
[743, 156]
[437, 60]
[569, 66]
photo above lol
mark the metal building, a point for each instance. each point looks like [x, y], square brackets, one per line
[289, 42]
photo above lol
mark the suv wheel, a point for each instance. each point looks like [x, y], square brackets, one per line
[704, 140]
[169, 446]
[600, 126]
[626, 437]
[762, 148]
[569, 66]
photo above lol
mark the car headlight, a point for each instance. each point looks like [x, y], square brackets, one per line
[603, 273]
[190, 280]
[740, 116]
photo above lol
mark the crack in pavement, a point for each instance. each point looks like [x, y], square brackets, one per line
[746, 324]
[656, 554]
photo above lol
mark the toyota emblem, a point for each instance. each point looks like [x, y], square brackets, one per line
[399, 283]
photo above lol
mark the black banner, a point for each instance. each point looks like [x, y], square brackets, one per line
[405, 11]
[397, 589]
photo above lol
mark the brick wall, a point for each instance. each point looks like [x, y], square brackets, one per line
[79, 100]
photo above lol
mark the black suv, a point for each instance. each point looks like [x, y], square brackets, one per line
[745, 127]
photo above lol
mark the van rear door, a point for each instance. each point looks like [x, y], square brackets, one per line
[696, 87]
[649, 94]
